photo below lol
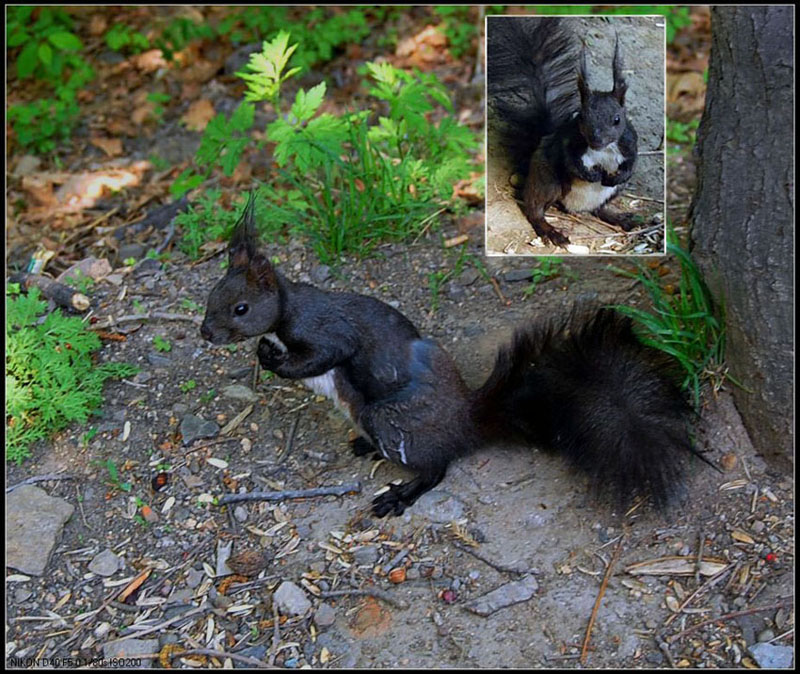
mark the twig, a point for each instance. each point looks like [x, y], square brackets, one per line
[709, 583]
[210, 444]
[335, 490]
[276, 633]
[289, 441]
[40, 478]
[495, 565]
[786, 601]
[151, 315]
[210, 652]
[637, 196]
[369, 592]
[497, 290]
[603, 585]
[427, 221]
[157, 628]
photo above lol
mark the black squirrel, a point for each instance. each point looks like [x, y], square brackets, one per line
[574, 146]
[583, 386]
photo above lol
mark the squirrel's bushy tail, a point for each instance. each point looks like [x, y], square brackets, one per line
[531, 79]
[588, 389]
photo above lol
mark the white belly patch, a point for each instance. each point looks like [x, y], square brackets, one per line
[585, 196]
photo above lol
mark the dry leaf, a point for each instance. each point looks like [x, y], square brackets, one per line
[199, 114]
[677, 566]
[111, 146]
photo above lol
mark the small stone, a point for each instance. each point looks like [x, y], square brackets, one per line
[770, 656]
[290, 599]
[105, 564]
[240, 392]
[765, 635]
[194, 428]
[131, 649]
[324, 616]
[515, 275]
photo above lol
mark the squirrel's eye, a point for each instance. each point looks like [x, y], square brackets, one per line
[240, 309]
[616, 120]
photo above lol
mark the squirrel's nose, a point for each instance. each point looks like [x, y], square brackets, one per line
[205, 331]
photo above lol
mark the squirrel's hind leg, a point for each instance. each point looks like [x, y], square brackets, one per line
[627, 221]
[541, 190]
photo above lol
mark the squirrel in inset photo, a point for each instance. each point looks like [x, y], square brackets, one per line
[573, 146]
[583, 386]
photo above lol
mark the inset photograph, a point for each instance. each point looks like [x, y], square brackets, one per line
[575, 135]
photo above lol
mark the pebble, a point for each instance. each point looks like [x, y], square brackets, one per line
[770, 656]
[105, 564]
[324, 616]
[290, 599]
[240, 392]
[194, 427]
[765, 635]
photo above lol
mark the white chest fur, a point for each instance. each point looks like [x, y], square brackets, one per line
[608, 157]
[323, 384]
[585, 196]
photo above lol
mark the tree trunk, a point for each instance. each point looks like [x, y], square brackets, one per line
[742, 214]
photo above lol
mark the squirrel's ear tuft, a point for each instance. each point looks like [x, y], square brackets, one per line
[583, 83]
[243, 245]
[620, 86]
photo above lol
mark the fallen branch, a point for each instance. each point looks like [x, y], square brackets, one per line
[39, 478]
[602, 591]
[151, 315]
[786, 601]
[370, 592]
[61, 294]
[495, 565]
[335, 490]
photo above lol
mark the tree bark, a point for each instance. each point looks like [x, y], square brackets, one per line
[742, 214]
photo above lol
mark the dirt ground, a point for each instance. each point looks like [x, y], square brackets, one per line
[641, 42]
[523, 509]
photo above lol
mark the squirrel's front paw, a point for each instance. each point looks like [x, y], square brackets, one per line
[270, 355]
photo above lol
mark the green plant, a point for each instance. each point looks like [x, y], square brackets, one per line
[547, 268]
[437, 279]
[191, 305]
[87, 437]
[206, 220]
[318, 31]
[188, 385]
[48, 51]
[347, 184]
[683, 133]
[113, 476]
[48, 45]
[179, 33]
[51, 379]
[120, 37]
[42, 124]
[458, 27]
[686, 323]
[157, 99]
[161, 344]
[80, 282]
